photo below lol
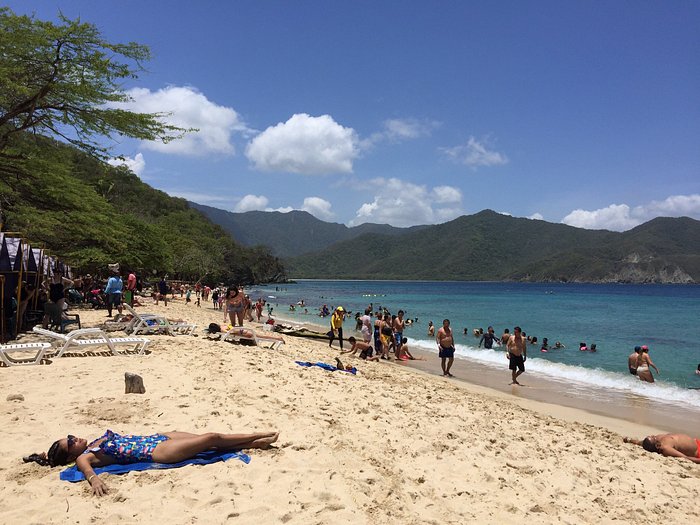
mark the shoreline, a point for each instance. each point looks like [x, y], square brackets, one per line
[617, 409]
[392, 444]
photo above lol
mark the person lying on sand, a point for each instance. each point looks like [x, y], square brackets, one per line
[167, 447]
[675, 445]
[245, 333]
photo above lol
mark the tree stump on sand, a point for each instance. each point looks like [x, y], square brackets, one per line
[134, 384]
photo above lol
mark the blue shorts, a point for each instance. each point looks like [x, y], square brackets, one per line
[114, 298]
[447, 352]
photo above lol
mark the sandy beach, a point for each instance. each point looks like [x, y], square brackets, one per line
[392, 444]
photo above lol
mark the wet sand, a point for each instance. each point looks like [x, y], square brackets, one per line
[615, 405]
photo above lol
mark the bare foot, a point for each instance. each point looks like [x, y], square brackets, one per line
[265, 442]
[516, 383]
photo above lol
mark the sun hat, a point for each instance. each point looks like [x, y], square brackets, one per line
[340, 309]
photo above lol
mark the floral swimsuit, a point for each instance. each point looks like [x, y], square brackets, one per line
[128, 449]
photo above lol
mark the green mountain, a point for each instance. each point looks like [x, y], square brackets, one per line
[491, 246]
[289, 234]
[89, 214]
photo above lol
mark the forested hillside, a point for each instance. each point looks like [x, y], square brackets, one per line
[92, 214]
[289, 234]
[491, 246]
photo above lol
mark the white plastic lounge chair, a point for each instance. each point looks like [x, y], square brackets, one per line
[95, 337]
[258, 339]
[39, 350]
[144, 323]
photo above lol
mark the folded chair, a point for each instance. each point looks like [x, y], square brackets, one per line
[235, 335]
[76, 341]
[143, 323]
[39, 349]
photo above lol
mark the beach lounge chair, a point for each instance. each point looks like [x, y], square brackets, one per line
[39, 349]
[144, 323]
[88, 337]
[234, 335]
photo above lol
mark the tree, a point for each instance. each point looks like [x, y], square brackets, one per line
[64, 80]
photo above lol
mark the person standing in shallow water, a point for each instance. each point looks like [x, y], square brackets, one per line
[446, 347]
[643, 364]
[516, 354]
[488, 339]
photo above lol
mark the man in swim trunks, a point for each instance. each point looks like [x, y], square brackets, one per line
[399, 325]
[517, 354]
[365, 349]
[632, 360]
[446, 347]
[673, 445]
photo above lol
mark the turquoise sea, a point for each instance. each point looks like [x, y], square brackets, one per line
[614, 317]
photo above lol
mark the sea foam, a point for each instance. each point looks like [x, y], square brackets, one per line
[586, 382]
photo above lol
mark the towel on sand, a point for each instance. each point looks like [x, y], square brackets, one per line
[326, 366]
[210, 456]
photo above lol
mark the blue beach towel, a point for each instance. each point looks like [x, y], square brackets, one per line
[73, 475]
[326, 366]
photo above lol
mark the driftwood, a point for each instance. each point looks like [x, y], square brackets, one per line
[134, 384]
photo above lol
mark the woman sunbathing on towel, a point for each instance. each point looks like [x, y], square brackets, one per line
[168, 447]
[245, 333]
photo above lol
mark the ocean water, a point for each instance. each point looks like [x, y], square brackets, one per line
[614, 317]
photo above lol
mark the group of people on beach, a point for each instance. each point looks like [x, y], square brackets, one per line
[387, 330]
[387, 333]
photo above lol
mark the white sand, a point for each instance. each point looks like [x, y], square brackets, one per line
[390, 445]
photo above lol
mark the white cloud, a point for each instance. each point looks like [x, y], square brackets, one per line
[136, 165]
[475, 153]
[398, 130]
[250, 203]
[402, 203]
[447, 194]
[620, 217]
[208, 199]
[283, 209]
[536, 216]
[188, 108]
[306, 145]
[318, 207]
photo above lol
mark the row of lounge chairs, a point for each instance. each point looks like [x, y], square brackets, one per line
[84, 338]
[144, 323]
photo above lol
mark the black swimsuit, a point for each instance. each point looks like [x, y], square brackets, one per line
[56, 292]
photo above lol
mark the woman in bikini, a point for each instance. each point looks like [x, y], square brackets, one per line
[643, 364]
[168, 447]
[235, 304]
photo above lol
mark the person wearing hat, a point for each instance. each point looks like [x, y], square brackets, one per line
[643, 364]
[632, 360]
[337, 325]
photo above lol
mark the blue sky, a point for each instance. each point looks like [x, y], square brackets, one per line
[414, 112]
